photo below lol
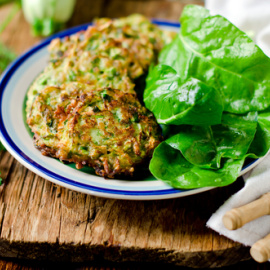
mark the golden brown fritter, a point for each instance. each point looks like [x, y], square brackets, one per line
[105, 129]
[83, 107]
[111, 53]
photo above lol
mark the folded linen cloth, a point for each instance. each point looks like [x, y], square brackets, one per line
[252, 17]
[257, 183]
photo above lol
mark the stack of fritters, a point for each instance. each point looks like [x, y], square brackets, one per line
[83, 108]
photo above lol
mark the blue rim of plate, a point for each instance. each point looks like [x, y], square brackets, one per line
[31, 164]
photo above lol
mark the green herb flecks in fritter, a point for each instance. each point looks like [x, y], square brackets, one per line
[106, 129]
[74, 113]
[110, 53]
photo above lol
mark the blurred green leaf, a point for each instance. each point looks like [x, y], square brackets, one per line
[16, 7]
[3, 2]
[6, 56]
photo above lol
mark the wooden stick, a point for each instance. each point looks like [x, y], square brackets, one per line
[260, 251]
[237, 217]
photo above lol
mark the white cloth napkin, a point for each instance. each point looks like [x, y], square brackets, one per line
[257, 183]
[253, 17]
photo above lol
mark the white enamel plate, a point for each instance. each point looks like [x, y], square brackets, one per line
[14, 84]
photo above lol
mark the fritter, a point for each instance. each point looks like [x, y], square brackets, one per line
[110, 53]
[83, 107]
[106, 129]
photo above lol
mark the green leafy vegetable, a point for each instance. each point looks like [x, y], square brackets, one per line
[196, 144]
[170, 165]
[211, 94]
[176, 102]
[196, 151]
[216, 52]
[261, 143]
[235, 134]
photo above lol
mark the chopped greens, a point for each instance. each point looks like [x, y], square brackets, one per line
[211, 94]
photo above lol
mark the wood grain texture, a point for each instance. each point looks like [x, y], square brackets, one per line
[42, 221]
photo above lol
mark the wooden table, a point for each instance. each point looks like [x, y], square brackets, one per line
[45, 226]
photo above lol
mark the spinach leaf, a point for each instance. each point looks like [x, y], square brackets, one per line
[193, 153]
[169, 165]
[261, 143]
[235, 134]
[197, 145]
[176, 102]
[213, 50]
[211, 94]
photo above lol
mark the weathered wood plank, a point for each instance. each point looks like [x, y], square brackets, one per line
[42, 220]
